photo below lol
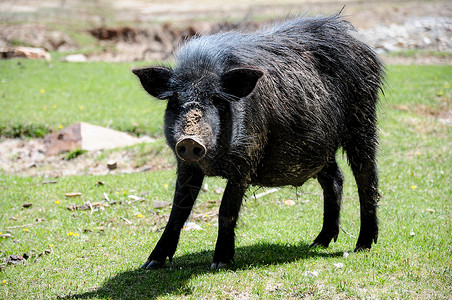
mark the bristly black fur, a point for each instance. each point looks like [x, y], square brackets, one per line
[272, 108]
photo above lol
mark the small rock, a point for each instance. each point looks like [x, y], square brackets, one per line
[412, 233]
[205, 187]
[27, 52]
[111, 165]
[75, 58]
[218, 190]
[345, 255]
[32, 165]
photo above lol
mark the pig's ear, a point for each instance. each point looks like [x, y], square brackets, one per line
[240, 82]
[155, 81]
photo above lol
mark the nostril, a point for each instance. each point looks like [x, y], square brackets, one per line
[182, 150]
[198, 151]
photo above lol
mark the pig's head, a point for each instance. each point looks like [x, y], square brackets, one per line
[199, 117]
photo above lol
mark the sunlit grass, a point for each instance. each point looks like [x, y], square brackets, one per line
[96, 252]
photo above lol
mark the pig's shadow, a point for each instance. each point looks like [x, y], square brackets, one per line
[173, 279]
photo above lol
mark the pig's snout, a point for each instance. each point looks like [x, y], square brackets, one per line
[190, 149]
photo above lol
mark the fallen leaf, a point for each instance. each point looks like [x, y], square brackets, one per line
[72, 195]
[5, 235]
[72, 207]
[289, 202]
[339, 265]
[83, 207]
[49, 182]
[27, 205]
[311, 273]
[136, 198]
[160, 204]
[191, 226]
[15, 259]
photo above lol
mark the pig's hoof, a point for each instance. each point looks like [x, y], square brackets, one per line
[219, 266]
[364, 246]
[360, 248]
[153, 264]
[323, 239]
[365, 243]
[318, 244]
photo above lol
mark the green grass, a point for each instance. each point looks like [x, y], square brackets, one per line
[420, 53]
[54, 95]
[102, 256]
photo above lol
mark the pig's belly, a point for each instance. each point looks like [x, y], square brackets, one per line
[288, 162]
[284, 173]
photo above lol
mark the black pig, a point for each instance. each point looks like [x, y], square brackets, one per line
[270, 108]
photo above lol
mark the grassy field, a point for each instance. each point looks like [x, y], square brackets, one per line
[96, 253]
[40, 96]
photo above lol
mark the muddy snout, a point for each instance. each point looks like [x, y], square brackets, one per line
[190, 149]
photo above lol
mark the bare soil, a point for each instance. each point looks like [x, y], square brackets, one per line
[139, 30]
[28, 158]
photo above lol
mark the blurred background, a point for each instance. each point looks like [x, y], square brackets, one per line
[101, 30]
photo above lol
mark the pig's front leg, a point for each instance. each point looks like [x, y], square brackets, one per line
[189, 181]
[228, 215]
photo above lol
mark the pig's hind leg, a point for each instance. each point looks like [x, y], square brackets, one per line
[361, 154]
[361, 151]
[331, 179]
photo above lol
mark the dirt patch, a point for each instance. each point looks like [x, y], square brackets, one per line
[443, 113]
[28, 158]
